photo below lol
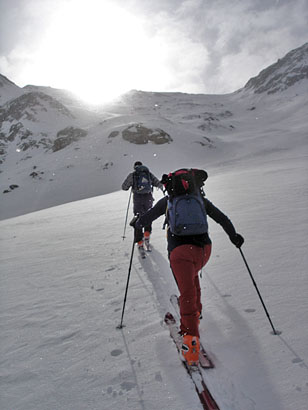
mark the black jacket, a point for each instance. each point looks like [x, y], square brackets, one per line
[198, 240]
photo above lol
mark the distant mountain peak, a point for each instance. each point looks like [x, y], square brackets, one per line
[5, 81]
[286, 72]
[8, 90]
[29, 104]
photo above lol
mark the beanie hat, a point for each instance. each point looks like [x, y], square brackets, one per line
[137, 164]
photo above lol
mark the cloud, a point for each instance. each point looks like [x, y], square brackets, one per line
[206, 46]
[235, 39]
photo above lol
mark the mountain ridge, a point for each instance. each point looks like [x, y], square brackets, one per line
[286, 72]
[54, 150]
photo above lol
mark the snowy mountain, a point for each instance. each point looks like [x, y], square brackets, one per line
[285, 73]
[8, 90]
[55, 150]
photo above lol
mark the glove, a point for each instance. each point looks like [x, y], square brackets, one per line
[237, 240]
[134, 221]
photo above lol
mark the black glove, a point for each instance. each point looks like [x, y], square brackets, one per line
[134, 220]
[237, 240]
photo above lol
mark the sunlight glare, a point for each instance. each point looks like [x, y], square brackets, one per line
[98, 51]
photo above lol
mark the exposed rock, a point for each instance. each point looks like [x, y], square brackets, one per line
[13, 186]
[35, 143]
[139, 134]
[108, 165]
[67, 136]
[18, 129]
[207, 143]
[113, 134]
[208, 116]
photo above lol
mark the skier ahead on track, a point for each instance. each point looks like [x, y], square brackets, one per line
[142, 182]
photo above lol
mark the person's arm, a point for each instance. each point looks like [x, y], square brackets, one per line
[156, 182]
[225, 222]
[154, 213]
[128, 182]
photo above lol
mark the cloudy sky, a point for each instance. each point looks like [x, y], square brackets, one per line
[100, 48]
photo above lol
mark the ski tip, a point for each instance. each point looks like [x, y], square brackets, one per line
[169, 317]
[207, 366]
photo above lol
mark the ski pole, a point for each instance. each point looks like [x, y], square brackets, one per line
[130, 194]
[255, 285]
[120, 326]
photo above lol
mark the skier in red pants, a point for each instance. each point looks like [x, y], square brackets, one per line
[189, 251]
[186, 261]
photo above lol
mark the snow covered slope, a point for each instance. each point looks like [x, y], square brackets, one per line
[286, 72]
[63, 277]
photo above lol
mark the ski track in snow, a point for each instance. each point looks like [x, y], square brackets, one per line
[63, 278]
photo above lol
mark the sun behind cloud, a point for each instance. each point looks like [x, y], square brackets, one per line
[97, 50]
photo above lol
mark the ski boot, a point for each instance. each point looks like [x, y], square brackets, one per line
[190, 349]
[141, 249]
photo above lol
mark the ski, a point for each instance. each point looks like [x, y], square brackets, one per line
[204, 359]
[194, 372]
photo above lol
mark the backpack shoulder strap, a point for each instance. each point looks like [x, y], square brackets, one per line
[166, 215]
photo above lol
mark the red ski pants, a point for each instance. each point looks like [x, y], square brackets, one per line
[186, 261]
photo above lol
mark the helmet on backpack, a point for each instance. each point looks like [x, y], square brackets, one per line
[184, 181]
[186, 213]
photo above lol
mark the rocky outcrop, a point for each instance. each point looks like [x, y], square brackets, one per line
[67, 136]
[139, 134]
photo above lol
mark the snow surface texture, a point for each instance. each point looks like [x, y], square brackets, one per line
[64, 271]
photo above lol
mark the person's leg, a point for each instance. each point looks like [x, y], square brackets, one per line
[146, 237]
[148, 229]
[182, 265]
[138, 209]
[148, 204]
[202, 256]
[186, 261]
